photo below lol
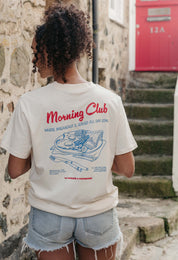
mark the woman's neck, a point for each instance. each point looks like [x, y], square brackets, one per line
[72, 76]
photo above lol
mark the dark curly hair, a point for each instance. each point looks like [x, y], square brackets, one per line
[65, 35]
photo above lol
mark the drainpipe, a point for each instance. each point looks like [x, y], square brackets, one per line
[95, 38]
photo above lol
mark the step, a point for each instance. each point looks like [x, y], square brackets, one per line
[131, 237]
[145, 186]
[151, 127]
[154, 145]
[140, 211]
[148, 165]
[153, 79]
[150, 95]
[147, 111]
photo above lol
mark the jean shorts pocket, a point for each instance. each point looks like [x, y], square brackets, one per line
[45, 223]
[99, 224]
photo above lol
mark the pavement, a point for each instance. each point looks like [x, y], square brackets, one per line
[164, 249]
[146, 223]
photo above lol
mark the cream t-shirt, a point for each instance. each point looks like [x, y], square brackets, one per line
[73, 132]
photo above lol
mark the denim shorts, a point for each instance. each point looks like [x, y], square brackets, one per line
[48, 232]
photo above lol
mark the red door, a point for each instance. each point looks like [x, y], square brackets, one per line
[156, 35]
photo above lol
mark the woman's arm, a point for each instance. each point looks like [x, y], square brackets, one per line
[124, 164]
[18, 166]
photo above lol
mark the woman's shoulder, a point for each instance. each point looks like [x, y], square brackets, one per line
[36, 93]
[107, 94]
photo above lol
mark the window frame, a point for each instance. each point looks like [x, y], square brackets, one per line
[117, 14]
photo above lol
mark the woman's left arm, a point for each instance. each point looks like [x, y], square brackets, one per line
[124, 165]
[18, 166]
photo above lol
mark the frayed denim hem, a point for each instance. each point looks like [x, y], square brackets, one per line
[119, 248]
[26, 245]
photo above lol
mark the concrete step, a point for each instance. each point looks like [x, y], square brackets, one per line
[145, 186]
[150, 95]
[154, 145]
[151, 127]
[149, 111]
[148, 165]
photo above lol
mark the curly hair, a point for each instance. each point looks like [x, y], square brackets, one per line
[65, 35]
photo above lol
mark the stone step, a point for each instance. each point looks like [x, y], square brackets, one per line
[151, 127]
[145, 186]
[154, 145]
[131, 237]
[154, 218]
[149, 111]
[146, 165]
[150, 95]
[152, 80]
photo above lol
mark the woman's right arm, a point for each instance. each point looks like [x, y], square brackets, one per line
[18, 166]
[124, 165]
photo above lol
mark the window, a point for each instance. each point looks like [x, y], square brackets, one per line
[116, 10]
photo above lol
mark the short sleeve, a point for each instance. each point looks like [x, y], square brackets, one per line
[125, 141]
[17, 139]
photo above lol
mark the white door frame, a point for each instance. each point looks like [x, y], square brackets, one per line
[132, 34]
[175, 142]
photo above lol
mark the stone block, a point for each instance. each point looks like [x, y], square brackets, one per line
[150, 228]
[3, 223]
[172, 221]
[2, 59]
[1, 107]
[3, 81]
[2, 150]
[170, 216]
[18, 200]
[101, 75]
[11, 244]
[14, 220]
[130, 237]
[113, 84]
[7, 177]
[6, 201]
[25, 219]
[19, 67]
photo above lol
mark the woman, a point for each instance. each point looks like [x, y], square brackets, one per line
[72, 134]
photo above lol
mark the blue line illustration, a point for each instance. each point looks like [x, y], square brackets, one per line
[73, 164]
[83, 144]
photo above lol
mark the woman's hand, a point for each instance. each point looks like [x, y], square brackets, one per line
[18, 166]
[124, 165]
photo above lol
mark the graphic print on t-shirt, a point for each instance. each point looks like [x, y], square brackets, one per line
[83, 144]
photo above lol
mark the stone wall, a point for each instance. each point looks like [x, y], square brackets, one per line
[113, 48]
[18, 18]
[17, 27]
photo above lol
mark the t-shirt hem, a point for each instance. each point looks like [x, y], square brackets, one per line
[75, 213]
[127, 150]
[11, 151]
